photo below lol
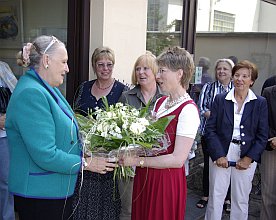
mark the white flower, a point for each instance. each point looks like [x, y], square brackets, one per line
[103, 127]
[143, 121]
[119, 105]
[137, 128]
[125, 125]
[117, 135]
[110, 115]
[118, 130]
[93, 129]
[135, 112]
[104, 134]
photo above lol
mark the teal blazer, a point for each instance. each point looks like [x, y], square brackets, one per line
[45, 155]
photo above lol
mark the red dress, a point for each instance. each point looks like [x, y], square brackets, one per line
[161, 193]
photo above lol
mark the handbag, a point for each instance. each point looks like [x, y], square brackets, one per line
[5, 95]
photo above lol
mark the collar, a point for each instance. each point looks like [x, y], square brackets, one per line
[229, 86]
[137, 90]
[250, 96]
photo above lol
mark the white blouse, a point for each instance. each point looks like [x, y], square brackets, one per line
[188, 120]
[238, 115]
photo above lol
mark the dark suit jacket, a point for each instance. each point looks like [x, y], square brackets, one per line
[271, 81]
[270, 93]
[253, 128]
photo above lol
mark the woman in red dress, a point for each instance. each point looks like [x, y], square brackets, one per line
[160, 184]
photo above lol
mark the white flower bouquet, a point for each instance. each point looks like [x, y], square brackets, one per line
[121, 129]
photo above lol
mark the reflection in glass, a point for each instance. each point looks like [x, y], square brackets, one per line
[163, 24]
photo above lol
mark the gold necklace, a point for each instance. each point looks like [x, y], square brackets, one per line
[98, 86]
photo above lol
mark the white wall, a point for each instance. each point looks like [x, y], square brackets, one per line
[267, 17]
[247, 12]
[203, 15]
[250, 15]
[121, 25]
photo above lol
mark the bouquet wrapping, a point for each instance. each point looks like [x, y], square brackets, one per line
[119, 130]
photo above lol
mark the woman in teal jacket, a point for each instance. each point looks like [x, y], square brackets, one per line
[43, 136]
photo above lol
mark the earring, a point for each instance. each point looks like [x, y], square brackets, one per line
[47, 66]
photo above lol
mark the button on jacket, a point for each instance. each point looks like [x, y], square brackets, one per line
[253, 126]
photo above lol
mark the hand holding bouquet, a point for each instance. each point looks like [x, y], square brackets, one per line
[120, 130]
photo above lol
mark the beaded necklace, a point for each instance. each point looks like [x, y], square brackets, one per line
[170, 103]
[97, 82]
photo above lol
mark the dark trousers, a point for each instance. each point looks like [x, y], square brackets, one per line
[205, 179]
[43, 209]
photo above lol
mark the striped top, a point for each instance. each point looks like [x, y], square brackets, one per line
[206, 98]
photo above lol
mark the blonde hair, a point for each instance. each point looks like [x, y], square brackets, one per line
[150, 60]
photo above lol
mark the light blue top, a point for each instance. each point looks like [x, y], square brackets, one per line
[43, 141]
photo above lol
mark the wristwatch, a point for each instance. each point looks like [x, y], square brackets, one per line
[141, 162]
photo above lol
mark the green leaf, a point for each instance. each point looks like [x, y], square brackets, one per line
[162, 123]
[145, 110]
[99, 141]
[84, 123]
[105, 102]
[143, 144]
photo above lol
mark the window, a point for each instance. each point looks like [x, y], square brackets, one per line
[223, 22]
[163, 24]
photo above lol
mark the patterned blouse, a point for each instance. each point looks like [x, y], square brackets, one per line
[206, 98]
[85, 100]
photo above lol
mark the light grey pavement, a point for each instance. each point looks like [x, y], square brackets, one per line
[194, 213]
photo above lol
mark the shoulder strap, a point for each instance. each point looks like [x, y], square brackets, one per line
[159, 102]
[190, 102]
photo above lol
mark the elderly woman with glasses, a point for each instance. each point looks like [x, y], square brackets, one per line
[236, 134]
[43, 135]
[97, 196]
[145, 90]
[159, 190]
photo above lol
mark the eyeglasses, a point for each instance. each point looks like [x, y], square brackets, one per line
[103, 65]
[162, 70]
[138, 69]
[54, 40]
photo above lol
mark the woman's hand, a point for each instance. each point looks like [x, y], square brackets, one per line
[222, 162]
[272, 142]
[2, 121]
[207, 114]
[129, 161]
[244, 163]
[100, 165]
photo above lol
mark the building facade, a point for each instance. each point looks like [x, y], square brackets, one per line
[130, 27]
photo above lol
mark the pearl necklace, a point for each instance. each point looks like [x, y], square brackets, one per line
[104, 87]
[170, 103]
